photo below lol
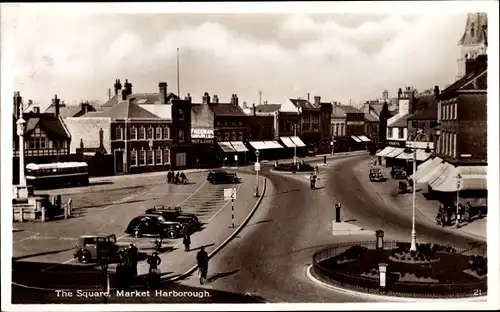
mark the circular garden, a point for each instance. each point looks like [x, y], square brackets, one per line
[431, 271]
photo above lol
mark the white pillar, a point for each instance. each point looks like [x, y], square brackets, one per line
[413, 246]
[22, 177]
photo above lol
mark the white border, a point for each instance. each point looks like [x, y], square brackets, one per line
[406, 7]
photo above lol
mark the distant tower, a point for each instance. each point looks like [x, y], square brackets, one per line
[385, 95]
[474, 41]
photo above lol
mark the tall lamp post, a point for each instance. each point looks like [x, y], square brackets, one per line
[21, 126]
[294, 145]
[457, 218]
[257, 169]
[413, 246]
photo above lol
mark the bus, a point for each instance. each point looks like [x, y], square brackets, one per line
[44, 176]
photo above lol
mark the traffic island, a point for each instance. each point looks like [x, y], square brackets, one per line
[390, 269]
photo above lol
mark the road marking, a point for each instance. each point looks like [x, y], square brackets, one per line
[123, 200]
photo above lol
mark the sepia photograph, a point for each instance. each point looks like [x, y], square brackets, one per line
[270, 156]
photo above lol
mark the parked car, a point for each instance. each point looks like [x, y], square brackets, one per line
[398, 173]
[154, 225]
[94, 247]
[222, 177]
[376, 175]
[175, 214]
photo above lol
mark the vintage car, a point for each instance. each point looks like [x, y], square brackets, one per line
[398, 173]
[94, 247]
[154, 225]
[175, 214]
[376, 175]
[222, 177]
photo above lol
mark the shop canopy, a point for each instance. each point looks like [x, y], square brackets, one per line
[433, 174]
[471, 178]
[258, 145]
[364, 138]
[405, 155]
[297, 141]
[395, 152]
[273, 144]
[385, 151]
[288, 142]
[425, 168]
[422, 155]
[239, 146]
[226, 147]
[355, 138]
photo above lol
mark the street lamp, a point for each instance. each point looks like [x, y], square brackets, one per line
[294, 145]
[257, 169]
[457, 218]
[21, 127]
[413, 246]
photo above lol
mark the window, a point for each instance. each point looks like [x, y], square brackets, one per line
[158, 157]
[342, 132]
[166, 156]
[166, 133]
[133, 133]
[389, 133]
[219, 137]
[158, 133]
[142, 133]
[118, 134]
[181, 135]
[455, 110]
[133, 158]
[441, 117]
[181, 114]
[150, 133]
[233, 136]
[218, 123]
[240, 123]
[226, 136]
[38, 143]
[454, 138]
[234, 123]
[433, 123]
[151, 159]
[240, 136]
[401, 133]
[414, 124]
[142, 157]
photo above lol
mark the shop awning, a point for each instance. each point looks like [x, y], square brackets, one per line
[297, 141]
[422, 155]
[355, 138]
[226, 147]
[405, 155]
[385, 151]
[395, 152]
[287, 141]
[426, 167]
[364, 138]
[444, 182]
[471, 178]
[259, 145]
[433, 174]
[239, 146]
[273, 144]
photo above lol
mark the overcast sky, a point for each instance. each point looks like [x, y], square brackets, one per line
[337, 56]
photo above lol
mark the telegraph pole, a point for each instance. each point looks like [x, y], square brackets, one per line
[260, 97]
[178, 80]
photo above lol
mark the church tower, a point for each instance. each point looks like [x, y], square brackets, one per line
[474, 41]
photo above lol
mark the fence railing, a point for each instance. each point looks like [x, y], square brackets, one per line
[407, 289]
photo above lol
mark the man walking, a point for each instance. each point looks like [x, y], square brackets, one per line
[202, 260]
[187, 239]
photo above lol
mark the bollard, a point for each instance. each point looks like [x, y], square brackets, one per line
[382, 269]
[43, 213]
[337, 212]
[21, 215]
[324, 159]
[65, 211]
[380, 239]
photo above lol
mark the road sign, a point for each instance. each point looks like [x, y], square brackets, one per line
[229, 193]
[257, 166]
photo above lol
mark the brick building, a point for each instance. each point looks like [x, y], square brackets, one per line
[355, 128]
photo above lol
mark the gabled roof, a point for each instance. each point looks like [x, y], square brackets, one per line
[304, 104]
[266, 108]
[227, 109]
[371, 118]
[48, 122]
[163, 111]
[401, 122]
[462, 82]
[125, 109]
[350, 109]
[430, 113]
[140, 98]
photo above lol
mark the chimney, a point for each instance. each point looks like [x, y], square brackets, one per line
[30, 102]
[317, 100]
[101, 139]
[109, 93]
[476, 65]
[236, 100]
[81, 144]
[254, 109]
[215, 99]
[36, 109]
[206, 98]
[17, 104]
[307, 97]
[188, 98]
[245, 104]
[162, 88]
[118, 86]
[400, 92]
[56, 103]
[385, 95]
[436, 93]
[128, 88]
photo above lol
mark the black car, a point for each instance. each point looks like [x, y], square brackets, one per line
[376, 175]
[176, 214]
[222, 177]
[398, 173]
[154, 225]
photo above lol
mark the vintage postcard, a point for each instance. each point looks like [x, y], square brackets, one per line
[269, 156]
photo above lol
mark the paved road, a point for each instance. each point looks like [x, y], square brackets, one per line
[273, 252]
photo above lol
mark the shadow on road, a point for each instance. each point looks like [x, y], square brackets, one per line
[40, 254]
[215, 277]
[260, 222]
[197, 248]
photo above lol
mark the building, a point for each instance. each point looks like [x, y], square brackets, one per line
[72, 111]
[46, 138]
[355, 127]
[338, 128]
[474, 41]
[262, 122]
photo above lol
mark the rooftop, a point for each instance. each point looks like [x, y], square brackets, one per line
[124, 109]
[401, 122]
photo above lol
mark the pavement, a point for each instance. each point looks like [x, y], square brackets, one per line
[426, 209]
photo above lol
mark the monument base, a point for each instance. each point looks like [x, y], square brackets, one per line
[22, 191]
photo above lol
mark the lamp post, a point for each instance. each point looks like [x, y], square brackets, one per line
[333, 142]
[457, 218]
[294, 145]
[413, 246]
[257, 169]
[21, 126]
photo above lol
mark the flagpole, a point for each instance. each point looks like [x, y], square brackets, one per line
[178, 84]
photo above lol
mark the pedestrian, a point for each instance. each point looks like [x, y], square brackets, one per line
[183, 177]
[202, 260]
[313, 180]
[186, 240]
[169, 177]
[177, 178]
[133, 256]
[153, 261]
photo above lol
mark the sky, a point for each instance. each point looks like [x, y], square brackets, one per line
[338, 56]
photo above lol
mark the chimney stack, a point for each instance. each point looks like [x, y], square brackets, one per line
[236, 100]
[385, 95]
[436, 93]
[36, 109]
[17, 104]
[118, 86]
[101, 139]
[215, 99]
[162, 88]
[307, 97]
[109, 93]
[128, 88]
[317, 100]
[206, 98]
[400, 92]
[188, 98]
[56, 103]
[254, 109]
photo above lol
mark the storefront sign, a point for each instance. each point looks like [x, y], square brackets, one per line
[419, 144]
[355, 122]
[396, 143]
[202, 133]
[202, 141]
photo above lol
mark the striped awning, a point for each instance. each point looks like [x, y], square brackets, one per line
[226, 147]
[273, 144]
[405, 155]
[239, 146]
[355, 138]
[395, 152]
[364, 138]
[259, 145]
[385, 151]
[297, 141]
[471, 178]
[287, 141]
[422, 155]
[426, 167]
[433, 174]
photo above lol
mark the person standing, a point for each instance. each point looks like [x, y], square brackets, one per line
[169, 177]
[202, 260]
[186, 240]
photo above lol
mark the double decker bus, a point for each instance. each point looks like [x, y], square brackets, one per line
[44, 176]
